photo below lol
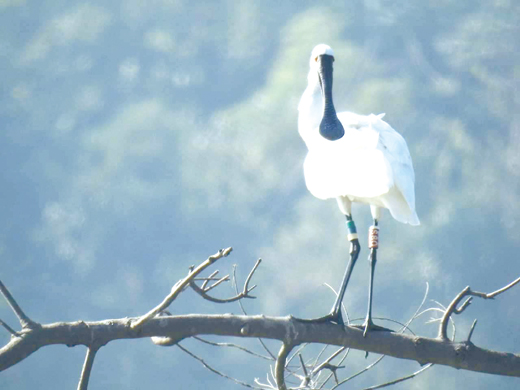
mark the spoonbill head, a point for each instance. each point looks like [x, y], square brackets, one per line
[322, 58]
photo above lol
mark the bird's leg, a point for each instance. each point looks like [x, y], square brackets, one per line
[373, 244]
[335, 314]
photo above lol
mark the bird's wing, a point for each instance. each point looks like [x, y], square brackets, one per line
[396, 152]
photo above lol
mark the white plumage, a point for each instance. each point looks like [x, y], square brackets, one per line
[353, 158]
[370, 164]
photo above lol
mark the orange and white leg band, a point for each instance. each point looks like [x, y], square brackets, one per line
[373, 237]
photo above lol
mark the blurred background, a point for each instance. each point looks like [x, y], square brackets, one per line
[137, 138]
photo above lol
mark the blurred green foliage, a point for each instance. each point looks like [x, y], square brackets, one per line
[139, 137]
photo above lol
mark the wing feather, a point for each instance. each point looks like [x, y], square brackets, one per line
[370, 163]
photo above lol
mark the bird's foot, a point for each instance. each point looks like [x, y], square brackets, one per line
[369, 325]
[334, 318]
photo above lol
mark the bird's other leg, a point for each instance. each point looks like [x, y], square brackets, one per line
[373, 244]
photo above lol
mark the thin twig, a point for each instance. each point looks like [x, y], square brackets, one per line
[452, 308]
[499, 291]
[303, 365]
[205, 283]
[416, 314]
[235, 286]
[292, 370]
[471, 330]
[327, 361]
[318, 357]
[359, 372]
[25, 321]
[231, 345]
[400, 379]
[208, 278]
[441, 310]
[87, 368]
[341, 360]
[332, 367]
[463, 307]
[248, 279]
[298, 351]
[266, 349]
[205, 287]
[179, 286]
[202, 291]
[279, 368]
[264, 386]
[9, 329]
[217, 283]
[214, 370]
[306, 378]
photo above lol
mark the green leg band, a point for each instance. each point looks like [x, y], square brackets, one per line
[352, 232]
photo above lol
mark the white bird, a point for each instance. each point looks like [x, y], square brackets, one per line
[353, 158]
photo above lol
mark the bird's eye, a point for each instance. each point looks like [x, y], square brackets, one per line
[316, 59]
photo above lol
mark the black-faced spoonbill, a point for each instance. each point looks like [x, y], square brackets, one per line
[353, 158]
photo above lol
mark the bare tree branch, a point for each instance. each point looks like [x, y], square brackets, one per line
[166, 329]
[326, 364]
[296, 353]
[216, 284]
[333, 372]
[239, 382]
[441, 309]
[405, 327]
[306, 377]
[179, 286]
[248, 279]
[422, 349]
[235, 285]
[359, 372]
[452, 308]
[25, 321]
[292, 370]
[87, 368]
[471, 331]
[400, 379]
[9, 329]
[231, 345]
[279, 368]
[499, 291]
[203, 290]
[210, 277]
[318, 357]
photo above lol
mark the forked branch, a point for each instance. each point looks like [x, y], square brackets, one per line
[180, 286]
[454, 308]
[204, 289]
[25, 321]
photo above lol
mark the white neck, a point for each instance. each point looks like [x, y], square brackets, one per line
[310, 108]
